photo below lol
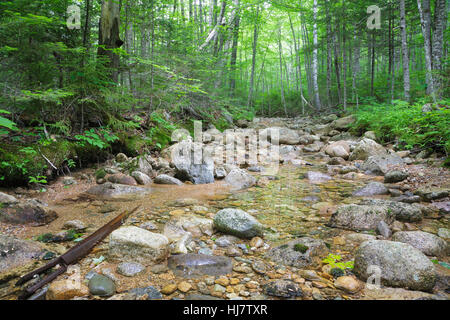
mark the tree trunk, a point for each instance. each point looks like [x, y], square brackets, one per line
[439, 27]
[234, 48]
[254, 50]
[425, 22]
[280, 49]
[315, 64]
[405, 54]
[109, 35]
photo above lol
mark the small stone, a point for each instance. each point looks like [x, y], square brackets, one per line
[347, 283]
[383, 229]
[395, 176]
[223, 281]
[130, 269]
[169, 289]
[259, 267]
[184, 286]
[150, 293]
[102, 286]
[234, 281]
[159, 268]
[66, 290]
[256, 242]
[219, 288]
[74, 224]
[120, 157]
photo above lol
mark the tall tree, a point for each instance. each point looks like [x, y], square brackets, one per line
[405, 51]
[315, 63]
[109, 37]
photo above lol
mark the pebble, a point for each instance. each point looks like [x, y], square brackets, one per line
[130, 269]
[169, 289]
[184, 286]
[259, 267]
[347, 283]
[256, 242]
[102, 286]
[223, 281]
[66, 290]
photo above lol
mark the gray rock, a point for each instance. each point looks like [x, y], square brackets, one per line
[339, 149]
[110, 190]
[366, 148]
[102, 286]
[380, 164]
[401, 265]
[286, 136]
[32, 212]
[360, 217]
[165, 179]
[121, 178]
[371, 189]
[443, 206]
[220, 173]
[121, 157]
[7, 199]
[343, 123]
[395, 176]
[151, 292]
[429, 194]
[138, 245]
[402, 211]
[283, 288]
[192, 162]
[200, 297]
[240, 179]
[15, 253]
[226, 241]
[192, 265]
[74, 224]
[299, 253]
[384, 230]
[141, 178]
[444, 233]
[237, 223]
[428, 243]
[130, 269]
[317, 177]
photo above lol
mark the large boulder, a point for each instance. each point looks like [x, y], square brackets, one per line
[15, 253]
[402, 211]
[121, 178]
[339, 149]
[366, 148]
[428, 243]
[138, 245]
[286, 136]
[7, 199]
[141, 177]
[32, 212]
[111, 190]
[166, 179]
[381, 164]
[238, 223]
[371, 189]
[401, 265]
[299, 253]
[360, 217]
[240, 179]
[193, 162]
[194, 265]
[343, 123]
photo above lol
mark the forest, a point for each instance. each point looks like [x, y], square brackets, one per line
[93, 91]
[108, 70]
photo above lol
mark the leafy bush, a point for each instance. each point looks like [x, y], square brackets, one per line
[332, 261]
[407, 123]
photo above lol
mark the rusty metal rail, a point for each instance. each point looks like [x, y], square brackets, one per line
[79, 251]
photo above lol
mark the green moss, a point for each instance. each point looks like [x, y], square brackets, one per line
[100, 174]
[300, 248]
[284, 246]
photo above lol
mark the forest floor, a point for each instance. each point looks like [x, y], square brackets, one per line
[293, 204]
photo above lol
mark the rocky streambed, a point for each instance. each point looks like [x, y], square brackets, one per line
[342, 218]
